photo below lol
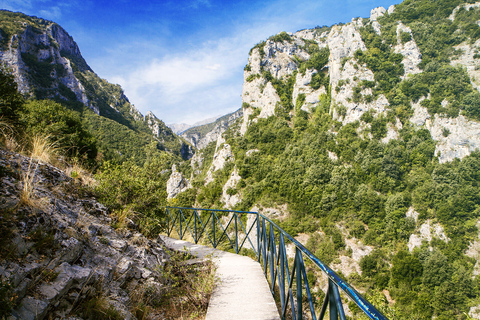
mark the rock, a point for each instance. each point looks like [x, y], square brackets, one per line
[410, 51]
[176, 183]
[31, 309]
[425, 234]
[221, 156]
[231, 200]
[377, 12]
[80, 252]
[222, 124]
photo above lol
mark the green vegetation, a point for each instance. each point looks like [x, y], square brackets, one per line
[280, 37]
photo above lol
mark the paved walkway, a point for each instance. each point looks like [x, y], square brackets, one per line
[241, 292]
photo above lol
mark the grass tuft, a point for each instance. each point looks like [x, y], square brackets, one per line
[28, 187]
[43, 149]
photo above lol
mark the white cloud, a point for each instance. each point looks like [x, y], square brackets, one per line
[198, 3]
[53, 13]
[192, 85]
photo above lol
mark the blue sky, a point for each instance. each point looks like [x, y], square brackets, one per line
[183, 59]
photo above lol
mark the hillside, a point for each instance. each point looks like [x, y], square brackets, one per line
[362, 139]
[47, 64]
[200, 136]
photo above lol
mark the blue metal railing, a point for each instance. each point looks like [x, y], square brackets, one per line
[225, 229]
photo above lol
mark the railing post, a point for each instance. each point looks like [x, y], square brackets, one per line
[236, 233]
[168, 222]
[332, 302]
[213, 223]
[180, 214]
[195, 225]
[281, 274]
[258, 236]
[298, 268]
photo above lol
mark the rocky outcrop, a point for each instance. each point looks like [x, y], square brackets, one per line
[228, 197]
[59, 250]
[466, 6]
[52, 45]
[426, 232]
[410, 51]
[223, 154]
[176, 183]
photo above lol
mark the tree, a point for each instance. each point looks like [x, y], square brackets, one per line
[10, 99]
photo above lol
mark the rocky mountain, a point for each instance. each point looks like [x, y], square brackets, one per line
[363, 140]
[200, 136]
[47, 64]
[178, 128]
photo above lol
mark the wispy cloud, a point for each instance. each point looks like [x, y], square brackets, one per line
[52, 13]
[200, 3]
[188, 86]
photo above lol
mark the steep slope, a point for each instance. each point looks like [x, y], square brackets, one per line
[47, 64]
[201, 136]
[362, 139]
[60, 255]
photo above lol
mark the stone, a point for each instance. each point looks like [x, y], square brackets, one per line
[377, 12]
[31, 309]
[222, 155]
[67, 273]
[176, 183]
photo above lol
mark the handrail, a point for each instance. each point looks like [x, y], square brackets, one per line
[272, 255]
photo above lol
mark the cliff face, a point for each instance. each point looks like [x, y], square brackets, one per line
[41, 59]
[283, 58]
[47, 64]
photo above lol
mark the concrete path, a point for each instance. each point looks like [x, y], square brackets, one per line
[241, 293]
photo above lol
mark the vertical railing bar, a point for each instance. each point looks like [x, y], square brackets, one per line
[290, 290]
[204, 226]
[247, 237]
[272, 259]
[299, 283]
[338, 302]
[281, 275]
[180, 214]
[195, 215]
[264, 249]
[225, 232]
[236, 233]
[213, 223]
[289, 282]
[332, 303]
[258, 237]
[307, 288]
[324, 306]
[168, 222]
[188, 225]
[175, 225]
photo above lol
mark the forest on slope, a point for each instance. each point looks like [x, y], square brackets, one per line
[341, 179]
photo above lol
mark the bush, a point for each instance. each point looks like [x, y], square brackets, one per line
[62, 126]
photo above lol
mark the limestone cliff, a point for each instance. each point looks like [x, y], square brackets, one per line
[47, 64]
[283, 58]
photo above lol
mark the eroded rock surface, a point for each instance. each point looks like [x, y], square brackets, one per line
[59, 249]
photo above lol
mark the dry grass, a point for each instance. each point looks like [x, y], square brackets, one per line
[28, 187]
[80, 174]
[42, 149]
[189, 288]
[7, 137]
